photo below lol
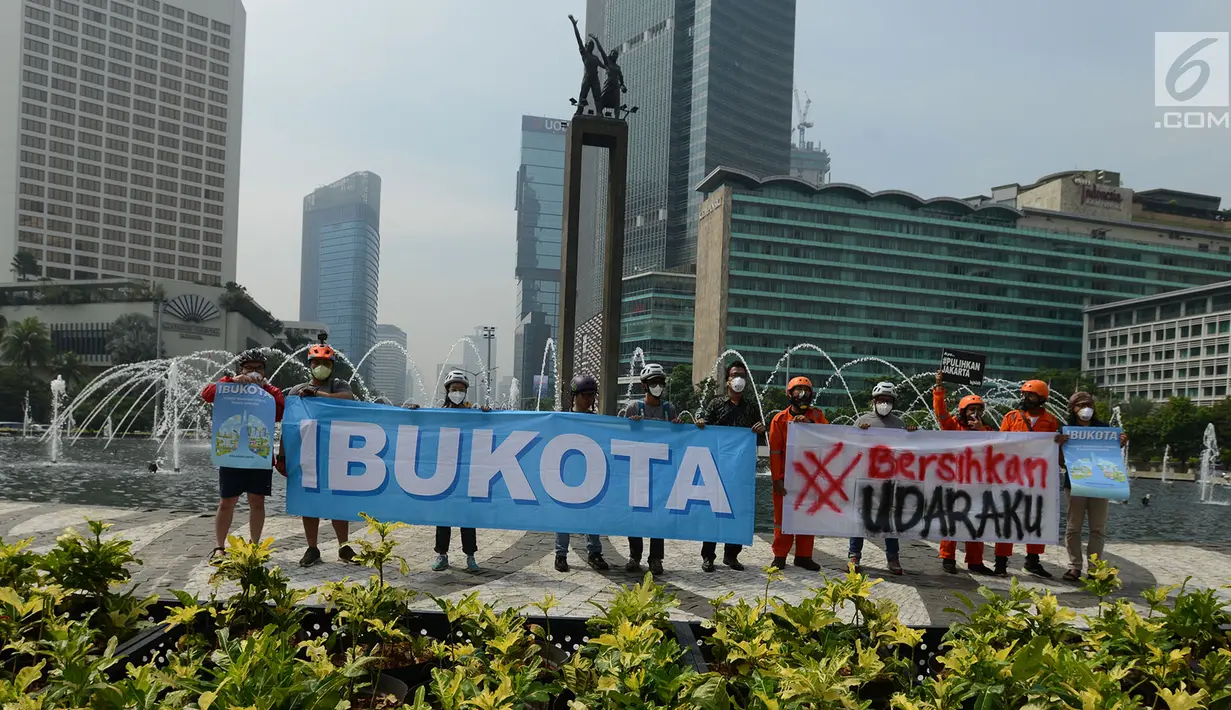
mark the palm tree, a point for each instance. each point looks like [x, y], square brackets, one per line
[132, 338]
[70, 366]
[25, 265]
[28, 343]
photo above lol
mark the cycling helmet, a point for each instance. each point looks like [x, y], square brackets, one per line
[253, 355]
[1038, 387]
[583, 383]
[798, 382]
[885, 389]
[321, 352]
[653, 371]
[456, 376]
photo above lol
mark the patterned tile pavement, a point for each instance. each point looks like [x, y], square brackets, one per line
[517, 567]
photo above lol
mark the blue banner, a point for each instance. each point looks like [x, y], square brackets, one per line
[1095, 462]
[539, 471]
[243, 426]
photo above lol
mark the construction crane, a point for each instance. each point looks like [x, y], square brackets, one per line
[802, 111]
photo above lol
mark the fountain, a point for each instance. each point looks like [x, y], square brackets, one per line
[58, 389]
[1210, 476]
[1166, 462]
[515, 394]
[25, 416]
[548, 347]
[108, 429]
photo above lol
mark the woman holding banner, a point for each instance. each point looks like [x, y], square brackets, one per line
[969, 418]
[1082, 508]
[1030, 415]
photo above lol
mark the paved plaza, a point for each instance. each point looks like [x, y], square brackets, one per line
[517, 566]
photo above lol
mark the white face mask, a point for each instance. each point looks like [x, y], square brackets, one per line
[457, 396]
[738, 384]
[884, 408]
[656, 390]
[1085, 414]
[321, 372]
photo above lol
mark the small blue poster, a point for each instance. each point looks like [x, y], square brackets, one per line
[243, 430]
[1095, 462]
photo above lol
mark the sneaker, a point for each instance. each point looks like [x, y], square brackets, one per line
[949, 565]
[1002, 566]
[979, 568]
[656, 567]
[807, 563]
[632, 566]
[472, 565]
[441, 564]
[561, 563]
[853, 561]
[707, 564]
[1033, 566]
[895, 566]
[597, 562]
[779, 562]
[733, 563]
[346, 554]
[311, 557]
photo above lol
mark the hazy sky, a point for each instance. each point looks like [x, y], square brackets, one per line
[429, 95]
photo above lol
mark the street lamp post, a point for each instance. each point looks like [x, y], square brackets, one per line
[489, 334]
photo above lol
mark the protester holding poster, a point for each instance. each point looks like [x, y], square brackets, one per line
[232, 482]
[1030, 415]
[801, 411]
[734, 410]
[969, 417]
[1082, 508]
[584, 391]
[456, 387]
[884, 398]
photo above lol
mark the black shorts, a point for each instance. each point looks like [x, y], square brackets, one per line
[234, 481]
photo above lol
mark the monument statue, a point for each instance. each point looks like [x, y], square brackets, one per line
[589, 79]
[613, 85]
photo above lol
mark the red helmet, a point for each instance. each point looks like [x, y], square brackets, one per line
[1038, 387]
[798, 382]
[969, 400]
[321, 352]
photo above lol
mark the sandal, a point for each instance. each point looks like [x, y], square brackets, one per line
[217, 552]
[1072, 575]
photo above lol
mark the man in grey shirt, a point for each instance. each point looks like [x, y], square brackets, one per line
[884, 398]
[654, 380]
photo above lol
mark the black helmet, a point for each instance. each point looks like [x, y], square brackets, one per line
[583, 383]
[253, 355]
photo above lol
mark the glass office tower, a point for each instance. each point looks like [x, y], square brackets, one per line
[340, 271]
[540, 209]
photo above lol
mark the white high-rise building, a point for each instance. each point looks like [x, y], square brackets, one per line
[120, 137]
[389, 364]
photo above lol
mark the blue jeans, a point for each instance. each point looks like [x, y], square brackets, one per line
[891, 547]
[594, 545]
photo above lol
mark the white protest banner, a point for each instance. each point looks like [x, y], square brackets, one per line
[929, 485]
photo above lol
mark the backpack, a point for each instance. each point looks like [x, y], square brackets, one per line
[666, 410]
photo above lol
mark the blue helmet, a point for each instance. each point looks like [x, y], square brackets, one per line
[583, 383]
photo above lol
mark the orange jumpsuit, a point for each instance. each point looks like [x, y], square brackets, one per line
[948, 422]
[1017, 420]
[777, 471]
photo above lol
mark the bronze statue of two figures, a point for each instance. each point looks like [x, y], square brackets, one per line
[605, 98]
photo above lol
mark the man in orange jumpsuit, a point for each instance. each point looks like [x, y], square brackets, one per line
[969, 418]
[1029, 416]
[799, 389]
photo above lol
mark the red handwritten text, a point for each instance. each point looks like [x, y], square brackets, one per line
[987, 466]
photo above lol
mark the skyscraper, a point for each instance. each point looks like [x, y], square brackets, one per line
[389, 364]
[340, 272]
[121, 157]
[539, 205]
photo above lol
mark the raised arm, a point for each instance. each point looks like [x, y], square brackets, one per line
[602, 53]
[581, 46]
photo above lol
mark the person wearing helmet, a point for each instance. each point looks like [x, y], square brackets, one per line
[1030, 415]
[322, 383]
[653, 406]
[584, 392]
[800, 411]
[456, 387]
[884, 399]
[735, 410]
[969, 417]
[1081, 508]
[256, 483]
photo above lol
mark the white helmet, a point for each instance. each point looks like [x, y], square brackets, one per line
[885, 389]
[652, 370]
[456, 376]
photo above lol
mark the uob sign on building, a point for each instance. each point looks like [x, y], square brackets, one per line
[542, 471]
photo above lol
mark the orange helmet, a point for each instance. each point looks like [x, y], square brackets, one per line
[320, 352]
[1038, 387]
[798, 382]
[969, 400]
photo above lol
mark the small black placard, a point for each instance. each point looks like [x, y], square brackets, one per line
[963, 368]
